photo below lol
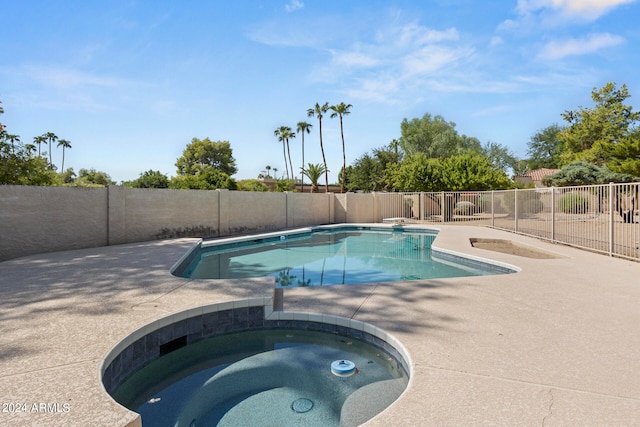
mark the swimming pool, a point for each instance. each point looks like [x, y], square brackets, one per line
[265, 378]
[332, 255]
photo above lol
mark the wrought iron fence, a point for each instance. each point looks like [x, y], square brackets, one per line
[601, 218]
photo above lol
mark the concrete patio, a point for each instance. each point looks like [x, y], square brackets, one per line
[557, 343]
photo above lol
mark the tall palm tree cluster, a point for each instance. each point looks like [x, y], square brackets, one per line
[50, 138]
[314, 171]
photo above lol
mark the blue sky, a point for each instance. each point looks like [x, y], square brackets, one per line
[130, 83]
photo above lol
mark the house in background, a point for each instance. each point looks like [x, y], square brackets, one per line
[534, 177]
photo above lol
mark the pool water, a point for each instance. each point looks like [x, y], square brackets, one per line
[347, 256]
[264, 378]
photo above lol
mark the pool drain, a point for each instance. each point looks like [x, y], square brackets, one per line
[302, 405]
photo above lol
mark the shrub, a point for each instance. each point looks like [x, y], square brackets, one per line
[528, 202]
[484, 204]
[532, 206]
[464, 208]
[573, 203]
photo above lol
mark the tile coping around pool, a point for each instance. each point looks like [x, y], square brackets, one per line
[125, 349]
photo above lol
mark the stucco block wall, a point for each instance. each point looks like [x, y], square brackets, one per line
[249, 211]
[361, 207]
[305, 209]
[355, 207]
[138, 214]
[45, 219]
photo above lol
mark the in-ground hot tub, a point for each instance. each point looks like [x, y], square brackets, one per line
[228, 364]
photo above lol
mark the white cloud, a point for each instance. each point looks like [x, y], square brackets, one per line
[586, 9]
[401, 56]
[583, 46]
[381, 88]
[418, 35]
[432, 59]
[354, 59]
[294, 5]
[496, 41]
[62, 78]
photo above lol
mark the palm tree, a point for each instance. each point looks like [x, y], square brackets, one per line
[268, 168]
[303, 127]
[51, 137]
[13, 139]
[290, 134]
[284, 133]
[314, 172]
[318, 111]
[39, 140]
[341, 110]
[64, 144]
[30, 149]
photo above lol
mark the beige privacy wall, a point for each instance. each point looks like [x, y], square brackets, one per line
[45, 219]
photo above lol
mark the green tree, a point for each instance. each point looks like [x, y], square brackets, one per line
[500, 156]
[203, 154]
[252, 185]
[314, 172]
[51, 138]
[471, 171]
[283, 185]
[302, 128]
[64, 144]
[466, 172]
[416, 172]
[68, 176]
[367, 173]
[12, 139]
[30, 149]
[592, 131]
[150, 179]
[284, 133]
[584, 173]
[93, 178]
[319, 111]
[435, 137]
[545, 148]
[208, 179]
[19, 167]
[624, 155]
[341, 110]
[39, 140]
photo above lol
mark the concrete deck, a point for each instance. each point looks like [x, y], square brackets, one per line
[556, 344]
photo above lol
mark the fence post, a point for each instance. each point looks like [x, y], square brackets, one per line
[493, 210]
[553, 214]
[611, 222]
[515, 210]
[442, 202]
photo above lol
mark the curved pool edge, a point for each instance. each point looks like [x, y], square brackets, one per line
[119, 362]
[439, 253]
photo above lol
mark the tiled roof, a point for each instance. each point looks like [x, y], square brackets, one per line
[538, 174]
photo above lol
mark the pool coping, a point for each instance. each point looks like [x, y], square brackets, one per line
[554, 343]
